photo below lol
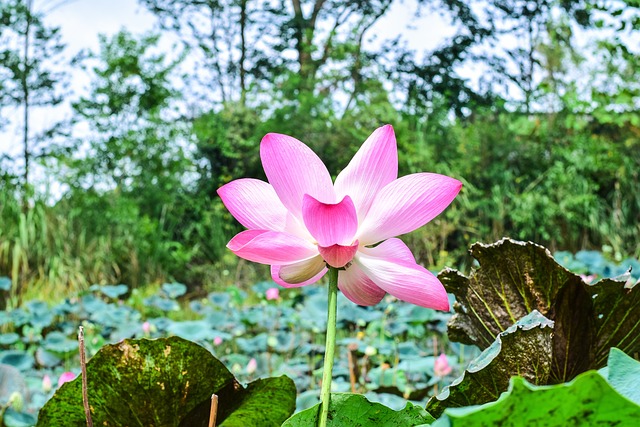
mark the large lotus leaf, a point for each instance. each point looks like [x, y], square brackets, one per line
[13, 418]
[163, 382]
[588, 400]
[515, 278]
[523, 349]
[11, 380]
[623, 373]
[354, 410]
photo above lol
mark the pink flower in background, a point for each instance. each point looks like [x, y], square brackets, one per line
[66, 377]
[217, 341]
[588, 279]
[272, 294]
[441, 367]
[252, 366]
[146, 328]
[46, 383]
[301, 222]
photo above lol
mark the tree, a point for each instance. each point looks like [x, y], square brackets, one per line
[28, 58]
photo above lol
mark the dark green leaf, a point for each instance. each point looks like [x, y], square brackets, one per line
[164, 382]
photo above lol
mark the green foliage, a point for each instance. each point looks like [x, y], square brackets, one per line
[355, 410]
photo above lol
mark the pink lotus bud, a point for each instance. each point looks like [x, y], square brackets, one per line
[46, 384]
[66, 377]
[441, 366]
[217, 341]
[272, 294]
[252, 366]
[146, 328]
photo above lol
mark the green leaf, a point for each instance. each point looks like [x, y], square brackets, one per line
[355, 410]
[13, 418]
[5, 283]
[164, 382]
[587, 401]
[623, 374]
[515, 278]
[174, 290]
[111, 291]
[11, 380]
[523, 349]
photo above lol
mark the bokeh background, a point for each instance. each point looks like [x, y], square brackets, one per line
[119, 120]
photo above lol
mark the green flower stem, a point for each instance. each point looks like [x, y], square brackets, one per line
[330, 347]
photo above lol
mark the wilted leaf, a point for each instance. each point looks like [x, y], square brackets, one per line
[515, 278]
[163, 382]
[524, 349]
[586, 401]
[354, 410]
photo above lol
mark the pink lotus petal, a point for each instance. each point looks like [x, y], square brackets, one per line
[407, 204]
[356, 286]
[373, 166]
[330, 224]
[254, 204]
[295, 170]
[271, 247]
[337, 255]
[299, 274]
[405, 280]
[391, 249]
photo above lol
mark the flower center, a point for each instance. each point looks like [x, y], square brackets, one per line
[338, 255]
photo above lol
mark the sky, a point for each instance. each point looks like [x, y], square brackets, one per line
[81, 21]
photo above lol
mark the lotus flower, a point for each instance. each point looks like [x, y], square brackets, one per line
[272, 294]
[46, 384]
[66, 377]
[301, 222]
[441, 367]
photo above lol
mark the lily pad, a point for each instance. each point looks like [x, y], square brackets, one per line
[111, 291]
[58, 342]
[165, 382]
[9, 338]
[524, 349]
[174, 290]
[13, 418]
[11, 380]
[587, 401]
[354, 410]
[20, 360]
[515, 278]
[5, 283]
